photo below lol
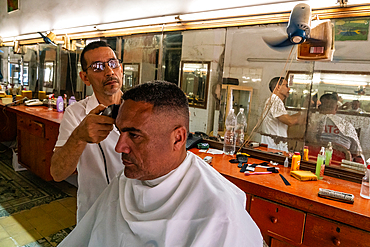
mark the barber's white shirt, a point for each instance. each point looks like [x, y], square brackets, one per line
[271, 124]
[91, 171]
[193, 205]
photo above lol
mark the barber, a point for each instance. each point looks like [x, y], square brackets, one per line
[87, 139]
[277, 119]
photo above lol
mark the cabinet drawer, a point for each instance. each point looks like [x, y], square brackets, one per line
[275, 219]
[32, 126]
[323, 232]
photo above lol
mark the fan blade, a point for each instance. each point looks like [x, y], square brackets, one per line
[278, 42]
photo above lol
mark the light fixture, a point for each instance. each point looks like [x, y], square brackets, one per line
[138, 22]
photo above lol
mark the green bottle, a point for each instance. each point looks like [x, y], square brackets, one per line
[320, 165]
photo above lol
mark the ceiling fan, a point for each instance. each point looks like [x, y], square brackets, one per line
[49, 38]
[298, 29]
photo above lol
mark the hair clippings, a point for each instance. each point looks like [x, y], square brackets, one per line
[274, 163]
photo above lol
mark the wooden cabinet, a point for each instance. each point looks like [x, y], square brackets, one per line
[283, 226]
[324, 232]
[295, 215]
[8, 125]
[36, 140]
[277, 243]
[277, 220]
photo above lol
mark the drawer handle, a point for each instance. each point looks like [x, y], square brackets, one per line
[336, 242]
[274, 220]
[38, 124]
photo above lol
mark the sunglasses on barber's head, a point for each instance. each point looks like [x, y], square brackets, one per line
[100, 66]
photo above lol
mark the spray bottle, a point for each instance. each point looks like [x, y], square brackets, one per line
[320, 165]
[50, 105]
[328, 154]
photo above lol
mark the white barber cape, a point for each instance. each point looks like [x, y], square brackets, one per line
[191, 206]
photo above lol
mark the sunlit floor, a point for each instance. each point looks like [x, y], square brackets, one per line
[43, 225]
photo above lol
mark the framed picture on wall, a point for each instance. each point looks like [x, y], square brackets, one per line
[12, 5]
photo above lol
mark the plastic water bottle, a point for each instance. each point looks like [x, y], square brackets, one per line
[365, 188]
[50, 105]
[229, 136]
[241, 122]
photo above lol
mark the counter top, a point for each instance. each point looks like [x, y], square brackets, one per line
[301, 195]
[37, 111]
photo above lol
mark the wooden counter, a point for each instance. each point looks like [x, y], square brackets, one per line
[37, 131]
[40, 112]
[294, 215]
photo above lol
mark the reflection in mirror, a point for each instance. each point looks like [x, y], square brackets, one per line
[337, 114]
[48, 62]
[14, 75]
[234, 97]
[131, 74]
[307, 81]
[143, 50]
[194, 82]
[225, 56]
[48, 74]
[25, 74]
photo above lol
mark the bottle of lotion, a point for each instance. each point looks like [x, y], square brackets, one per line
[60, 104]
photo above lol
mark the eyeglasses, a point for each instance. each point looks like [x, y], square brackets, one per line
[100, 66]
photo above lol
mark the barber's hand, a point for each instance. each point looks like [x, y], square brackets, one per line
[94, 128]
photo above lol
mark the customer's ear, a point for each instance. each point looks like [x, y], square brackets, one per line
[179, 137]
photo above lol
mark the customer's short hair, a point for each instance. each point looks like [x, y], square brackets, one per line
[89, 47]
[328, 102]
[274, 81]
[163, 95]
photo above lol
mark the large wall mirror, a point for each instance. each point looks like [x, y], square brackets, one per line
[239, 53]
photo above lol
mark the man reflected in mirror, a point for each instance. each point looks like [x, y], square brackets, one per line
[277, 119]
[329, 127]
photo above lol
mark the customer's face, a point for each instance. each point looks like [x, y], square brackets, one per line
[355, 105]
[145, 141]
[106, 82]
